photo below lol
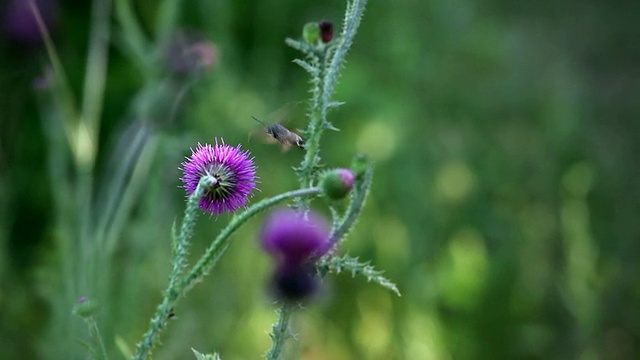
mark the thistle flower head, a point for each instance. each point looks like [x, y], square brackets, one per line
[294, 237]
[232, 170]
[85, 307]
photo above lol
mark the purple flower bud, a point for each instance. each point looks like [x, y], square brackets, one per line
[326, 31]
[233, 170]
[337, 183]
[294, 282]
[85, 307]
[293, 237]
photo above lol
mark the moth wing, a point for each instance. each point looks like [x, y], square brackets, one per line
[285, 146]
[261, 135]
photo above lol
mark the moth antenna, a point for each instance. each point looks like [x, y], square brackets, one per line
[256, 119]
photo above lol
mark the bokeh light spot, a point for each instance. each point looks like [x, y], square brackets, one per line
[377, 139]
[463, 270]
[455, 182]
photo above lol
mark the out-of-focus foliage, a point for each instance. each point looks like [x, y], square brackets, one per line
[505, 202]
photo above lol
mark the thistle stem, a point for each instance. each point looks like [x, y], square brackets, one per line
[328, 61]
[171, 294]
[179, 285]
[280, 331]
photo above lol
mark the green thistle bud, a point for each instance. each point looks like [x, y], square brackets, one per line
[311, 33]
[85, 307]
[337, 183]
[359, 165]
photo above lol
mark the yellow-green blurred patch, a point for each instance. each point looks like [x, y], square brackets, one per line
[455, 182]
[423, 334]
[378, 139]
[392, 241]
[373, 328]
[578, 179]
[462, 271]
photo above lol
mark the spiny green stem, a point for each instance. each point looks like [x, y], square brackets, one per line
[359, 196]
[280, 331]
[329, 63]
[171, 294]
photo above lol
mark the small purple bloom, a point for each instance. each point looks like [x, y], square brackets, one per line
[233, 170]
[85, 307]
[326, 31]
[295, 237]
[294, 282]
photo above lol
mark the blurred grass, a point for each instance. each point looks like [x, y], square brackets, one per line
[505, 200]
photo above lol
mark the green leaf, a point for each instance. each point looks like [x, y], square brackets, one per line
[350, 264]
[312, 70]
[201, 356]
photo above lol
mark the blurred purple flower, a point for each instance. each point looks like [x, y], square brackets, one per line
[294, 282]
[231, 167]
[190, 53]
[293, 237]
[20, 23]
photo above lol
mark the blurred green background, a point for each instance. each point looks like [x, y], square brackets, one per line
[505, 202]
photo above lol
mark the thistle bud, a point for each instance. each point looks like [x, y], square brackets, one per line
[359, 165]
[85, 307]
[311, 33]
[326, 31]
[337, 183]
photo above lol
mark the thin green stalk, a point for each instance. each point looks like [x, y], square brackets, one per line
[133, 37]
[96, 70]
[61, 89]
[93, 326]
[87, 144]
[127, 156]
[166, 20]
[359, 196]
[280, 331]
[314, 129]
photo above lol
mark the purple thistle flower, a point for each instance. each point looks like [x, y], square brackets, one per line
[293, 237]
[233, 170]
